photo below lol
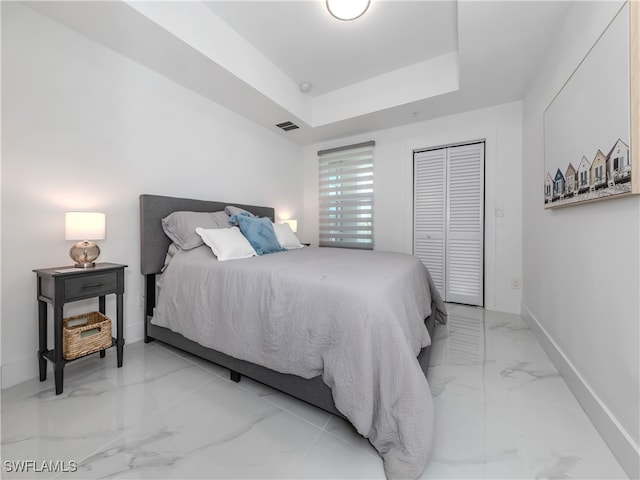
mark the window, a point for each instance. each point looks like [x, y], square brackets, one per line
[599, 173]
[346, 196]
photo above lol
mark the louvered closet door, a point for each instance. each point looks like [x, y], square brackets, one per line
[429, 213]
[465, 225]
[449, 223]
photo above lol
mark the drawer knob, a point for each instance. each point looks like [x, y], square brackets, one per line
[92, 285]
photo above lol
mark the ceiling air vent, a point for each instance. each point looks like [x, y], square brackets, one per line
[286, 126]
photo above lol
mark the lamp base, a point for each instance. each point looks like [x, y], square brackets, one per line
[85, 265]
[84, 254]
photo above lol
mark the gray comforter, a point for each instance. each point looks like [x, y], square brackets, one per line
[354, 317]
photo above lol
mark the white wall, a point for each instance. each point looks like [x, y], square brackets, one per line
[501, 127]
[85, 128]
[582, 263]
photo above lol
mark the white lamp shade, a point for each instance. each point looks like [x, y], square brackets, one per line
[293, 224]
[84, 226]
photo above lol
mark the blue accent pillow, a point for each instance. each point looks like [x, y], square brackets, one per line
[259, 232]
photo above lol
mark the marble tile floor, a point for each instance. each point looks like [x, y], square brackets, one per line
[501, 411]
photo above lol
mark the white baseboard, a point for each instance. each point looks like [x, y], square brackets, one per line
[20, 370]
[616, 437]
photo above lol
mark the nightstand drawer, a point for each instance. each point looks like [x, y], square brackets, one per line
[90, 285]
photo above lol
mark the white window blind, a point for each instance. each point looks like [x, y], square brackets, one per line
[346, 196]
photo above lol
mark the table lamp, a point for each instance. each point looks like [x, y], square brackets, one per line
[292, 223]
[84, 226]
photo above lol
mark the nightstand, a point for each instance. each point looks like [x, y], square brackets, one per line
[61, 285]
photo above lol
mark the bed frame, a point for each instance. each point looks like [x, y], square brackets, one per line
[153, 249]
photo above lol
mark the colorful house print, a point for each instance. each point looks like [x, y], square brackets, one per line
[584, 176]
[619, 163]
[603, 177]
[548, 188]
[571, 180]
[598, 171]
[558, 185]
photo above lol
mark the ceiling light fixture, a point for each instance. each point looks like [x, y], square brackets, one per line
[305, 87]
[347, 9]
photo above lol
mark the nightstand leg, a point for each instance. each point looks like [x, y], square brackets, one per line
[58, 364]
[58, 370]
[42, 333]
[102, 309]
[120, 336]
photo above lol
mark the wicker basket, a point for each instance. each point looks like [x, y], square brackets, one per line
[85, 337]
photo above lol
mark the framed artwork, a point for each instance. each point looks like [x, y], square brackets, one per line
[592, 126]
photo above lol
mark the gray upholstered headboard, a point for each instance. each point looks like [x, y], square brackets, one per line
[153, 208]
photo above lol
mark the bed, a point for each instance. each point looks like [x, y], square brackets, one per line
[319, 337]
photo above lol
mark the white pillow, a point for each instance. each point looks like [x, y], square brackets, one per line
[286, 238]
[226, 243]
